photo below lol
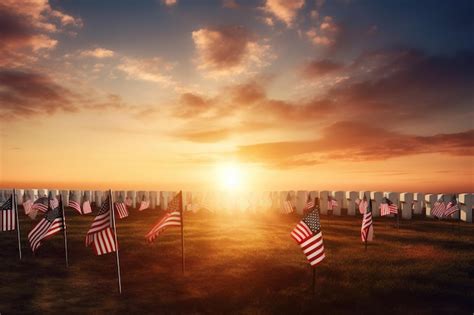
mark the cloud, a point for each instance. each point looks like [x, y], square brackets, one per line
[407, 84]
[284, 10]
[207, 136]
[26, 28]
[97, 53]
[325, 34]
[229, 50]
[26, 93]
[169, 3]
[356, 141]
[151, 69]
[318, 68]
[230, 4]
[193, 105]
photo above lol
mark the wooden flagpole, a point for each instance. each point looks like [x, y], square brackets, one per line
[15, 204]
[116, 242]
[182, 231]
[314, 281]
[64, 230]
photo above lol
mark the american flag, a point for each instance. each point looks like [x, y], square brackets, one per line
[452, 206]
[53, 201]
[307, 234]
[40, 204]
[121, 209]
[73, 202]
[309, 206]
[50, 224]
[7, 215]
[288, 205]
[172, 218]
[27, 204]
[86, 205]
[331, 202]
[100, 235]
[367, 229]
[439, 208]
[388, 207]
[144, 204]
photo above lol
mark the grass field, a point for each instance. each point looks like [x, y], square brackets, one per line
[244, 264]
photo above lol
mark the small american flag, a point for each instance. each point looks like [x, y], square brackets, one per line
[73, 202]
[367, 229]
[439, 208]
[100, 234]
[452, 206]
[86, 205]
[388, 207]
[27, 204]
[309, 206]
[144, 204]
[332, 203]
[7, 215]
[121, 209]
[307, 234]
[50, 224]
[128, 201]
[288, 206]
[172, 218]
[40, 204]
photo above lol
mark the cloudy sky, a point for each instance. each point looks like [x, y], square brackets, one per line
[301, 94]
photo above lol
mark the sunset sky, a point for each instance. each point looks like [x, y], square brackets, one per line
[277, 94]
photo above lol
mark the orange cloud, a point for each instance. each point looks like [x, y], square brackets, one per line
[229, 50]
[169, 3]
[151, 69]
[284, 10]
[97, 53]
[325, 34]
[24, 94]
[356, 141]
[26, 28]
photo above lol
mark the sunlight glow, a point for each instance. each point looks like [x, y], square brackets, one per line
[229, 176]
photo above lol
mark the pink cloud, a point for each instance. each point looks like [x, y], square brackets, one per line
[229, 50]
[284, 10]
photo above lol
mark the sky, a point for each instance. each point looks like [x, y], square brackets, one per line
[248, 95]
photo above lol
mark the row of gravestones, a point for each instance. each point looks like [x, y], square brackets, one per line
[409, 203]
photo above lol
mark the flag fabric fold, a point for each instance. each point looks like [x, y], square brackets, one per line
[332, 203]
[100, 234]
[387, 207]
[451, 207]
[74, 203]
[121, 209]
[7, 216]
[367, 229]
[288, 206]
[50, 224]
[309, 206]
[307, 234]
[172, 218]
[439, 208]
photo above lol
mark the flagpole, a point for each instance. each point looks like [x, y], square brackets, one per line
[116, 242]
[398, 214]
[64, 230]
[15, 204]
[182, 232]
[314, 280]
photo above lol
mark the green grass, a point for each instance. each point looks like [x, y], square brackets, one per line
[244, 264]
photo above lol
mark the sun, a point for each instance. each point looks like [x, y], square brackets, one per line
[229, 176]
